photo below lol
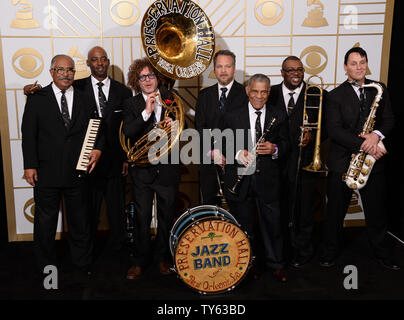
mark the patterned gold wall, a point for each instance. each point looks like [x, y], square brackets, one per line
[261, 33]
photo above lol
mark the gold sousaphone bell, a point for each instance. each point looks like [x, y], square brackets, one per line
[179, 41]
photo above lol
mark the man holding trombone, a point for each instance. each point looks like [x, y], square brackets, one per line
[300, 174]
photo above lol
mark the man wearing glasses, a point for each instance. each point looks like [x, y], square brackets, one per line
[299, 186]
[54, 124]
[140, 113]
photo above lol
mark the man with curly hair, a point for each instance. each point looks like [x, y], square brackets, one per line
[139, 116]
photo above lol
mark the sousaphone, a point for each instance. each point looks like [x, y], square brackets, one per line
[179, 41]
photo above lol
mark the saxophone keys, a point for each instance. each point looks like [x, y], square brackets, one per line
[353, 186]
[365, 172]
[361, 181]
[368, 162]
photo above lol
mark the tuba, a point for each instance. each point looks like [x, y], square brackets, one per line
[362, 163]
[179, 42]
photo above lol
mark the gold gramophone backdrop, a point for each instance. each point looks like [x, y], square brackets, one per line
[260, 32]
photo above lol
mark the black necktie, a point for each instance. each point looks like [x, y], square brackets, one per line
[362, 99]
[258, 129]
[291, 103]
[101, 98]
[65, 110]
[222, 98]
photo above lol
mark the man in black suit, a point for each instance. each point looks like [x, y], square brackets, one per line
[347, 110]
[54, 124]
[107, 181]
[259, 188]
[212, 103]
[162, 180]
[299, 186]
[106, 96]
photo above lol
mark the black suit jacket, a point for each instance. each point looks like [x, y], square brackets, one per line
[134, 127]
[47, 145]
[110, 163]
[295, 120]
[207, 112]
[342, 114]
[268, 178]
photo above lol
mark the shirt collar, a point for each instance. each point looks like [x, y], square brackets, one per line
[94, 81]
[57, 90]
[157, 98]
[228, 86]
[252, 110]
[286, 90]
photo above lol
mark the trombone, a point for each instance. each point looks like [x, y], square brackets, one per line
[316, 165]
[312, 93]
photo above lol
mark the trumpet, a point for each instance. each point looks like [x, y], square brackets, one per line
[235, 189]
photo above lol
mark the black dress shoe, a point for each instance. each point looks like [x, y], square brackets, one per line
[299, 262]
[255, 272]
[327, 263]
[280, 275]
[387, 263]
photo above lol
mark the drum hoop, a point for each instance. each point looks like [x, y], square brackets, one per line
[179, 225]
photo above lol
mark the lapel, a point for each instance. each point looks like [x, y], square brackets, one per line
[53, 103]
[234, 91]
[112, 96]
[244, 121]
[77, 108]
[352, 105]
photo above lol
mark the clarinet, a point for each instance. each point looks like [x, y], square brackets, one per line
[236, 186]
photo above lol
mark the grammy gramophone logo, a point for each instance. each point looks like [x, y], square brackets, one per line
[315, 18]
[80, 63]
[24, 18]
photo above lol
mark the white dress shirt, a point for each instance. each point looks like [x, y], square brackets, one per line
[104, 88]
[286, 95]
[253, 118]
[69, 98]
[228, 88]
[157, 109]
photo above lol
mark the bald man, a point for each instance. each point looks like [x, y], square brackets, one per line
[107, 181]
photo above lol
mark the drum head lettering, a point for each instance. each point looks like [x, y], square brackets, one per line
[212, 255]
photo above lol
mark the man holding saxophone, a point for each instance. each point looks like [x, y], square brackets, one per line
[348, 109]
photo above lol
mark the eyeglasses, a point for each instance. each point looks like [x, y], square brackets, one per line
[63, 70]
[143, 77]
[291, 70]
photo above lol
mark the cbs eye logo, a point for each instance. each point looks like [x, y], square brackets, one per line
[269, 12]
[124, 12]
[315, 59]
[27, 63]
[29, 210]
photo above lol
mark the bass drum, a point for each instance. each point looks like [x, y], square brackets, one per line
[211, 253]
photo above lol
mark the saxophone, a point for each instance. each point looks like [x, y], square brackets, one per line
[362, 163]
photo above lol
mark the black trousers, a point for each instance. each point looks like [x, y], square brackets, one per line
[209, 185]
[339, 196]
[47, 205]
[112, 190]
[269, 223]
[143, 194]
[305, 206]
